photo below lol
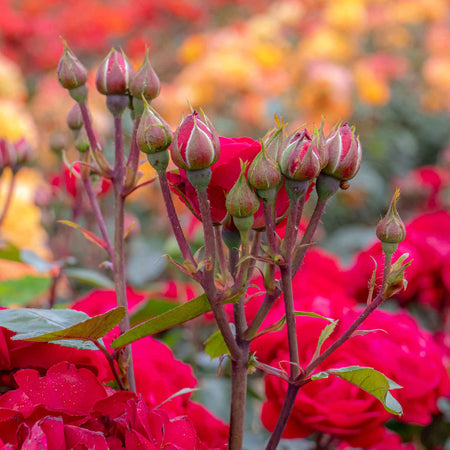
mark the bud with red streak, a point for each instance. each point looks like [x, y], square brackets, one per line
[299, 161]
[71, 72]
[343, 154]
[114, 74]
[195, 144]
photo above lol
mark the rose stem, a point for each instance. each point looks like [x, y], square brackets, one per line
[296, 191]
[173, 218]
[289, 400]
[125, 357]
[208, 276]
[9, 196]
[133, 157]
[220, 251]
[110, 360]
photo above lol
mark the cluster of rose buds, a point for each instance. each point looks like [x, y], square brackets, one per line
[14, 155]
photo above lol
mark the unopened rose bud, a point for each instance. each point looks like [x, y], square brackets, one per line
[71, 72]
[82, 141]
[343, 154]
[391, 229]
[264, 174]
[299, 161]
[153, 134]
[145, 82]
[24, 152]
[273, 141]
[114, 74]
[241, 201]
[74, 118]
[57, 142]
[195, 144]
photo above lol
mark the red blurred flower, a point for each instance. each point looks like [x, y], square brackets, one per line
[70, 182]
[225, 172]
[158, 374]
[406, 354]
[428, 244]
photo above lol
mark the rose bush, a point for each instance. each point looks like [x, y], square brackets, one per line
[428, 244]
[69, 408]
[225, 172]
[403, 352]
[158, 374]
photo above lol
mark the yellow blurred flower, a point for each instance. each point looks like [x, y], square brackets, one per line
[192, 49]
[16, 123]
[12, 84]
[22, 224]
[371, 88]
[346, 15]
[326, 44]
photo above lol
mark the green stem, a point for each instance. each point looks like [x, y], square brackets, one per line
[125, 357]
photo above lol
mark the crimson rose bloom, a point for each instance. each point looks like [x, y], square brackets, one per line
[69, 408]
[225, 173]
[405, 353]
[428, 244]
[158, 374]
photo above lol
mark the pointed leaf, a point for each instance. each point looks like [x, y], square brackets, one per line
[86, 233]
[89, 276]
[23, 290]
[151, 308]
[369, 380]
[278, 326]
[215, 345]
[364, 332]
[176, 316]
[177, 394]
[324, 335]
[65, 327]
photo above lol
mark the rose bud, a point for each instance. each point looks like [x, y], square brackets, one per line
[264, 174]
[154, 137]
[273, 141]
[114, 74]
[299, 161]
[57, 142]
[71, 72]
[242, 202]
[195, 144]
[343, 153]
[24, 152]
[391, 229]
[82, 141]
[145, 82]
[74, 118]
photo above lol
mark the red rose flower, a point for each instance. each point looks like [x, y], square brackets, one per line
[405, 354]
[69, 408]
[153, 360]
[225, 172]
[428, 244]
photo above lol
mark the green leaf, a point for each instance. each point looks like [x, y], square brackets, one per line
[215, 345]
[65, 327]
[10, 252]
[369, 380]
[151, 308]
[278, 326]
[324, 335]
[89, 277]
[187, 311]
[34, 260]
[23, 290]
[177, 394]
